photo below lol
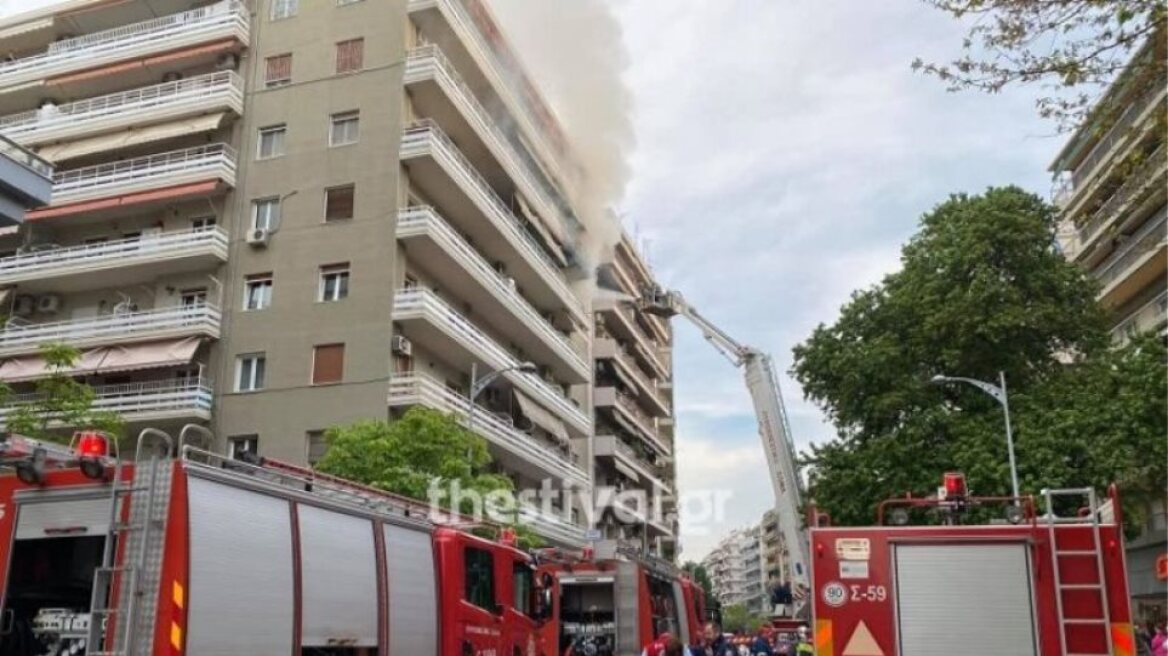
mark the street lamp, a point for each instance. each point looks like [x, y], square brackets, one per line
[999, 394]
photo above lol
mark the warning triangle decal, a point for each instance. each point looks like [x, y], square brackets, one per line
[862, 643]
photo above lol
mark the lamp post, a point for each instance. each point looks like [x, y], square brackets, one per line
[999, 394]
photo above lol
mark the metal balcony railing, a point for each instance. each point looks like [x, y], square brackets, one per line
[426, 136]
[419, 389]
[644, 345]
[1148, 239]
[551, 526]
[641, 420]
[424, 304]
[130, 399]
[1144, 174]
[194, 319]
[162, 34]
[1116, 134]
[43, 262]
[224, 87]
[647, 385]
[1151, 316]
[424, 220]
[149, 171]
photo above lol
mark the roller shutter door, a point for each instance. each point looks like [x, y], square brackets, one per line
[338, 570]
[55, 516]
[413, 594]
[964, 600]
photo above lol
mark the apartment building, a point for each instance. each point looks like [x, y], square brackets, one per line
[275, 216]
[633, 399]
[737, 570]
[776, 560]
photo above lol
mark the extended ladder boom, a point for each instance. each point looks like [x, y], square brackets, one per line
[773, 427]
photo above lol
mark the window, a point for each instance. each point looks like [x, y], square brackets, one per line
[265, 213]
[193, 298]
[338, 202]
[316, 445]
[239, 444]
[257, 293]
[523, 584]
[203, 223]
[250, 372]
[271, 143]
[278, 70]
[334, 282]
[350, 55]
[343, 128]
[328, 364]
[480, 578]
[284, 8]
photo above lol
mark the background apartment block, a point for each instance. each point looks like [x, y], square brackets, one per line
[276, 216]
[737, 570]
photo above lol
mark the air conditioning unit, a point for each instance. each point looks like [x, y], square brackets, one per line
[48, 304]
[23, 306]
[172, 76]
[259, 237]
[401, 345]
[228, 62]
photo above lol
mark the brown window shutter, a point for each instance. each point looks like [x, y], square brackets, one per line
[339, 203]
[279, 69]
[328, 363]
[350, 55]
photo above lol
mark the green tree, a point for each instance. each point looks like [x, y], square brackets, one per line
[698, 573]
[737, 619]
[58, 400]
[1071, 47]
[408, 455]
[981, 290]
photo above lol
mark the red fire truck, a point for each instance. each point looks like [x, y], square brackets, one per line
[185, 551]
[1030, 583]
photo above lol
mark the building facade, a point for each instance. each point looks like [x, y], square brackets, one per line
[1112, 187]
[276, 216]
[737, 570]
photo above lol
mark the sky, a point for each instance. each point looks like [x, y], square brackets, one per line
[782, 151]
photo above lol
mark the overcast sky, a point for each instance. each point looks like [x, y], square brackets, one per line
[784, 152]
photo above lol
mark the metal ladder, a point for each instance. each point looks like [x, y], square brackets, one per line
[126, 591]
[1092, 521]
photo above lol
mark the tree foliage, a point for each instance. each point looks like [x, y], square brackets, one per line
[737, 619]
[58, 400]
[698, 573]
[1072, 47]
[408, 455]
[981, 290]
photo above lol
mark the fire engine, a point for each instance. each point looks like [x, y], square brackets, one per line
[186, 551]
[1031, 582]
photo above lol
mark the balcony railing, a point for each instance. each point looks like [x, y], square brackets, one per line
[43, 263]
[424, 220]
[647, 385]
[133, 400]
[1151, 316]
[426, 136]
[23, 156]
[1116, 134]
[424, 304]
[637, 460]
[194, 319]
[1147, 240]
[221, 89]
[418, 389]
[429, 61]
[129, 175]
[1147, 172]
[164, 34]
[552, 527]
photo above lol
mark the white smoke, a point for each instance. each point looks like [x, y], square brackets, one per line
[575, 53]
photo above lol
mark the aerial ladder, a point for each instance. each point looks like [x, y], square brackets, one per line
[773, 428]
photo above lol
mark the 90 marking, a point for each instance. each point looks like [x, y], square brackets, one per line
[874, 593]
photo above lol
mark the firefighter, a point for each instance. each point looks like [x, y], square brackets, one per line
[714, 643]
[804, 646]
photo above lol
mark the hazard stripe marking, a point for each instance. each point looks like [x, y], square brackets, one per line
[862, 643]
[1121, 639]
[175, 635]
[177, 594]
[823, 637]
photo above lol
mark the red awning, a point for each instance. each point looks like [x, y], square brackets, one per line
[107, 359]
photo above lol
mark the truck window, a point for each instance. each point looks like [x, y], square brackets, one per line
[480, 578]
[523, 582]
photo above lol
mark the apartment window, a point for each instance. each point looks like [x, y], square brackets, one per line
[203, 223]
[265, 213]
[278, 70]
[271, 142]
[350, 55]
[237, 445]
[284, 8]
[249, 370]
[334, 282]
[339, 202]
[192, 298]
[316, 445]
[328, 364]
[344, 128]
[257, 293]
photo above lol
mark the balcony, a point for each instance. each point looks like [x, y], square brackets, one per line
[447, 332]
[435, 247]
[144, 402]
[519, 451]
[438, 168]
[201, 320]
[1137, 264]
[223, 21]
[1150, 317]
[624, 325]
[1148, 176]
[647, 393]
[439, 92]
[610, 446]
[172, 169]
[120, 263]
[555, 529]
[629, 416]
[214, 92]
